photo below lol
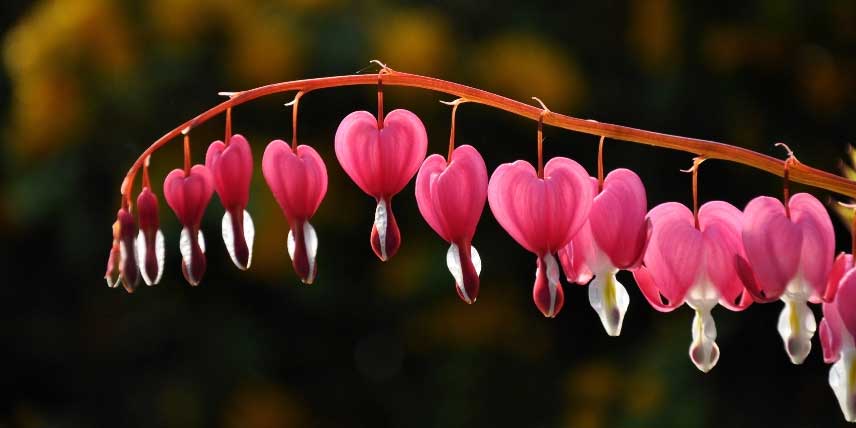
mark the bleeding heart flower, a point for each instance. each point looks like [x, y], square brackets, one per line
[232, 170]
[614, 237]
[451, 197]
[838, 338]
[685, 263]
[188, 196]
[150, 241]
[788, 257]
[123, 259]
[542, 215]
[298, 182]
[381, 162]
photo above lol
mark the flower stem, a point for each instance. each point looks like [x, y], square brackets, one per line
[798, 172]
[228, 127]
[600, 165]
[186, 155]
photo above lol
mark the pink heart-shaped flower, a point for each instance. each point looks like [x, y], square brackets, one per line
[188, 196]
[542, 215]
[381, 162]
[232, 170]
[779, 248]
[298, 182]
[451, 198]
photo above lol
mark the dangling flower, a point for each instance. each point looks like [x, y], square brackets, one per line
[693, 262]
[298, 180]
[451, 197]
[150, 241]
[381, 160]
[789, 255]
[542, 214]
[613, 238]
[123, 259]
[838, 337]
[231, 168]
[188, 195]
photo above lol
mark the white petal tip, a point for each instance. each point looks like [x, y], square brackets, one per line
[704, 352]
[797, 326]
[610, 300]
[229, 238]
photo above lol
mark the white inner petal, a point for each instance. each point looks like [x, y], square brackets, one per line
[160, 254]
[704, 352]
[289, 243]
[380, 223]
[201, 240]
[476, 259]
[184, 247]
[311, 240]
[610, 300]
[796, 326]
[842, 379]
[453, 262]
[552, 280]
[140, 247]
[249, 237]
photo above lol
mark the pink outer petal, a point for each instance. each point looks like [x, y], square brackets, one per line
[651, 290]
[451, 198]
[232, 170]
[189, 196]
[298, 181]
[842, 264]
[773, 247]
[720, 224]
[381, 162]
[573, 257]
[818, 241]
[845, 301]
[675, 252]
[618, 218]
[831, 330]
[542, 215]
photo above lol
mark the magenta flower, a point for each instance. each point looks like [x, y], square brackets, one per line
[542, 214]
[188, 195]
[150, 241]
[838, 337]
[613, 238]
[451, 198]
[789, 253]
[122, 263]
[298, 180]
[232, 170]
[693, 263]
[381, 160]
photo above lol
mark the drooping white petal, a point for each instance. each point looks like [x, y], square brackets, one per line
[290, 244]
[453, 262]
[311, 239]
[610, 300]
[201, 240]
[142, 254]
[704, 352]
[380, 223]
[185, 247]
[552, 275]
[796, 326]
[842, 379]
[160, 254]
[229, 238]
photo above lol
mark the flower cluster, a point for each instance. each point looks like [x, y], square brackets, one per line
[586, 227]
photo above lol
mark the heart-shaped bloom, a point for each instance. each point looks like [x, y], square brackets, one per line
[123, 259]
[188, 196]
[613, 238]
[685, 263]
[150, 241]
[451, 198]
[231, 168]
[838, 338]
[542, 215]
[788, 258]
[381, 162]
[298, 181]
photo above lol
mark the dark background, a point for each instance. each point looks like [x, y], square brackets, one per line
[87, 84]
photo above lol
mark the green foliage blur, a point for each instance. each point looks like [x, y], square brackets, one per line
[87, 84]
